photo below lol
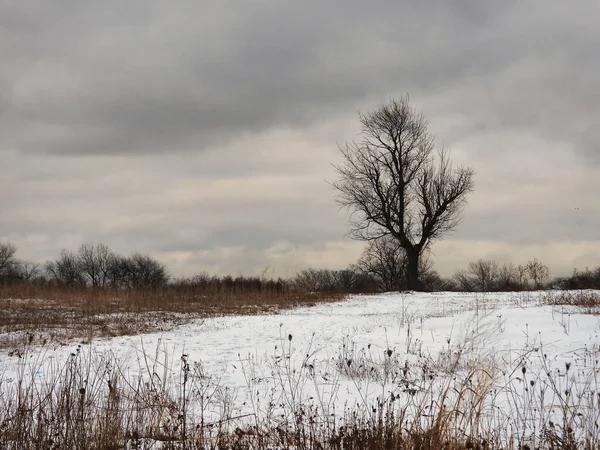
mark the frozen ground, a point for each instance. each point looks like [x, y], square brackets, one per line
[357, 353]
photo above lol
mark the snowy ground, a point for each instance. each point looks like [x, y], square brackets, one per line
[361, 351]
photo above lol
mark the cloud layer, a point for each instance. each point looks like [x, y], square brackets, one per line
[204, 133]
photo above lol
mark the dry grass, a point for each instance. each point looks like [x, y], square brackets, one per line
[88, 402]
[585, 301]
[450, 402]
[55, 314]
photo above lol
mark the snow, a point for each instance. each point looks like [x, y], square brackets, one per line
[351, 353]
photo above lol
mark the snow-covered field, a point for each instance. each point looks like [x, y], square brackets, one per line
[533, 362]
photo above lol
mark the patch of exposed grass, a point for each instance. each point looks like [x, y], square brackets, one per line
[61, 315]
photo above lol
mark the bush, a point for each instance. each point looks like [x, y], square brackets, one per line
[343, 281]
[585, 279]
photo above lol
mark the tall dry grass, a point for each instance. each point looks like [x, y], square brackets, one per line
[462, 398]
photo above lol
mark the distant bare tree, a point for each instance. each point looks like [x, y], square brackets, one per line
[538, 272]
[145, 272]
[7, 258]
[437, 283]
[522, 276]
[580, 279]
[484, 274]
[95, 262]
[118, 272]
[396, 185]
[463, 281]
[347, 280]
[28, 271]
[326, 280]
[315, 280]
[385, 260]
[507, 277]
[65, 270]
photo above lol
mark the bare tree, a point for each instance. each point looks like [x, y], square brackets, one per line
[395, 183]
[146, 272]
[463, 281]
[484, 274]
[507, 278]
[347, 280]
[538, 272]
[522, 276]
[95, 263]
[28, 271]
[315, 280]
[435, 283]
[119, 272]
[7, 258]
[66, 270]
[326, 280]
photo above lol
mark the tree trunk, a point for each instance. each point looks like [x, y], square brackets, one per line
[412, 271]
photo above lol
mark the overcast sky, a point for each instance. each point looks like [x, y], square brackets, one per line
[204, 132]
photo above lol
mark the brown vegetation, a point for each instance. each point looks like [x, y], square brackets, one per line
[61, 313]
[447, 403]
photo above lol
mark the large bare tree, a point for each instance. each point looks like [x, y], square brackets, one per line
[396, 183]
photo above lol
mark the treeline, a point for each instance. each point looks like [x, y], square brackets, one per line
[382, 267]
[480, 276]
[487, 275]
[97, 266]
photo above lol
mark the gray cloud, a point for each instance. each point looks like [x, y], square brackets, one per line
[589, 143]
[148, 78]
[212, 125]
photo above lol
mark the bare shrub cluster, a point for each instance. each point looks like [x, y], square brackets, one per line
[344, 281]
[580, 279]
[488, 275]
